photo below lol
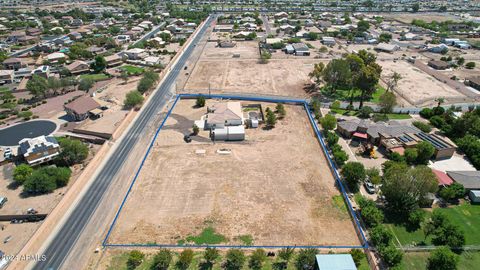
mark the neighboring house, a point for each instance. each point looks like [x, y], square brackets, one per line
[56, 57]
[281, 15]
[122, 39]
[223, 28]
[438, 65]
[469, 179]
[388, 48]
[287, 28]
[113, 60]
[335, 262]
[328, 41]
[473, 82]
[43, 71]
[14, 63]
[6, 76]
[78, 67]
[39, 150]
[440, 48]
[135, 54]
[95, 50]
[23, 73]
[301, 49]
[394, 136]
[152, 60]
[80, 108]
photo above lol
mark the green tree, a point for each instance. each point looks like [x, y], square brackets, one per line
[135, 258]
[367, 81]
[37, 86]
[86, 84]
[185, 259]
[387, 101]
[328, 122]
[306, 259]
[317, 72]
[415, 219]
[373, 175]
[39, 183]
[411, 155]
[385, 37]
[354, 174]
[99, 65]
[195, 129]
[124, 76]
[393, 81]
[340, 157]
[425, 151]
[280, 109]
[357, 256]
[133, 99]
[235, 259]
[425, 127]
[405, 187]
[380, 236]
[312, 36]
[365, 112]
[443, 232]
[257, 259]
[415, 7]
[286, 253]
[210, 256]
[72, 151]
[161, 260]
[442, 258]
[391, 255]
[21, 173]
[372, 216]
[363, 26]
[200, 101]
[271, 119]
[331, 138]
[337, 74]
[454, 191]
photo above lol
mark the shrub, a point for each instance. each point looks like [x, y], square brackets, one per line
[328, 122]
[162, 260]
[426, 113]
[331, 138]
[423, 126]
[425, 151]
[381, 236]
[133, 99]
[357, 255]
[372, 216]
[391, 255]
[235, 260]
[340, 157]
[415, 219]
[470, 65]
[411, 155]
[306, 259]
[135, 258]
[454, 191]
[437, 121]
[257, 259]
[185, 259]
[365, 112]
[200, 101]
[442, 259]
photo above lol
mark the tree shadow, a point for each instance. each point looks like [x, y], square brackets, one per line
[205, 265]
[13, 185]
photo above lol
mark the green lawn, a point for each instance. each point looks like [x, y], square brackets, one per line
[132, 70]
[466, 216]
[345, 94]
[95, 77]
[207, 236]
[418, 260]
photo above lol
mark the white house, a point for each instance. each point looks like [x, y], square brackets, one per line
[135, 53]
[39, 150]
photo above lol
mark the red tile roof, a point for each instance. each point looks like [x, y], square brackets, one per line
[442, 178]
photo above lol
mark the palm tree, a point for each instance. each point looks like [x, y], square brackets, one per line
[393, 81]
[440, 101]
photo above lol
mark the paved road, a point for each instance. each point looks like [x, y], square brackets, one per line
[62, 243]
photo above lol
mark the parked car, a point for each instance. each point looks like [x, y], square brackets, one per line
[8, 153]
[3, 201]
[369, 187]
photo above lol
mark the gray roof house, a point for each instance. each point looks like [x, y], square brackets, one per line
[469, 179]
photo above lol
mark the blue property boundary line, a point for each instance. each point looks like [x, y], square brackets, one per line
[247, 98]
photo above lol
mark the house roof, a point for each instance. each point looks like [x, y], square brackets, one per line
[75, 64]
[224, 111]
[37, 145]
[475, 80]
[437, 63]
[82, 105]
[12, 60]
[442, 178]
[469, 179]
[335, 262]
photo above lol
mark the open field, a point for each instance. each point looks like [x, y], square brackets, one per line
[275, 188]
[417, 87]
[246, 49]
[278, 77]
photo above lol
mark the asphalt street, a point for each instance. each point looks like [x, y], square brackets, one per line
[60, 246]
[10, 136]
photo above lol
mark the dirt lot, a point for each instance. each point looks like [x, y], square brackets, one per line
[285, 77]
[246, 49]
[408, 17]
[257, 190]
[416, 86]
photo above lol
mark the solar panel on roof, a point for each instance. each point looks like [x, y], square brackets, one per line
[434, 141]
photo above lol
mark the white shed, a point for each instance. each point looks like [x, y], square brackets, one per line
[474, 196]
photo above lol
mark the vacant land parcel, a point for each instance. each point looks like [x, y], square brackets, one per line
[274, 188]
[218, 71]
